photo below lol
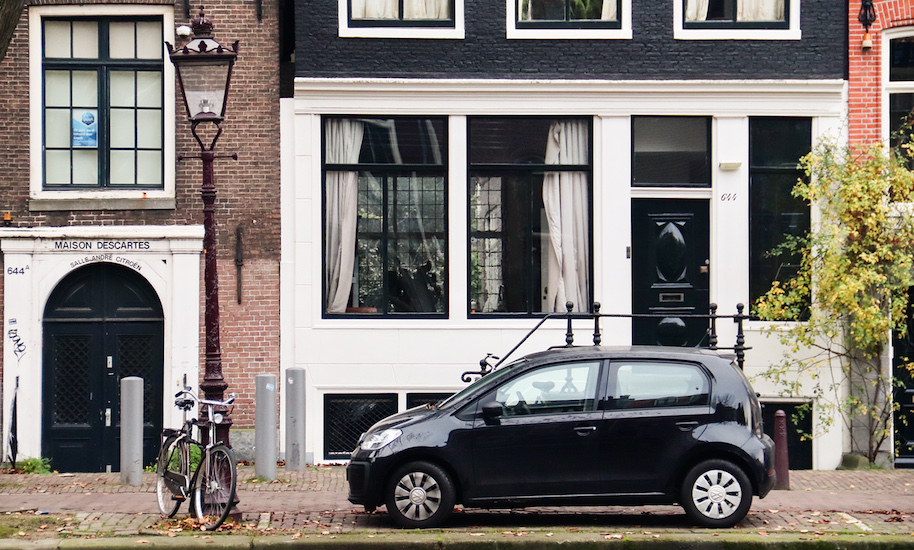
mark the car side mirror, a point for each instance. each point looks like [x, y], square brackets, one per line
[491, 412]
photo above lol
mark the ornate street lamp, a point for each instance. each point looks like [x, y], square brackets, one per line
[204, 68]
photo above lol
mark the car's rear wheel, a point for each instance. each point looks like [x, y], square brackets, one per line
[420, 495]
[716, 493]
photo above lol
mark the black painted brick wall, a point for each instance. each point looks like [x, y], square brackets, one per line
[651, 54]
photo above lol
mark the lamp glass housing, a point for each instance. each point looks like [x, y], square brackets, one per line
[204, 79]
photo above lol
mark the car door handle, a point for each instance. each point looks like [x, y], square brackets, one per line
[687, 426]
[585, 430]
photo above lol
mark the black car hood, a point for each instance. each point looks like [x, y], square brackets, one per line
[404, 418]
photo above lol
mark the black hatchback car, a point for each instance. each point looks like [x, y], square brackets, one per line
[576, 426]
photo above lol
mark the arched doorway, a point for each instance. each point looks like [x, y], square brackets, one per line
[101, 323]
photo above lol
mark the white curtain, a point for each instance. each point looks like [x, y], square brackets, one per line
[760, 10]
[344, 141]
[374, 9]
[426, 9]
[696, 10]
[609, 10]
[567, 204]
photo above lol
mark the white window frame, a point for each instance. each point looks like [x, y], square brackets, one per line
[98, 199]
[622, 33]
[791, 33]
[457, 32]
[889, 87]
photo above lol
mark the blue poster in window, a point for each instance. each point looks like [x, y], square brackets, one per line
[85, 128]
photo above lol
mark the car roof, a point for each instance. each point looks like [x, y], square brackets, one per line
[627, 352]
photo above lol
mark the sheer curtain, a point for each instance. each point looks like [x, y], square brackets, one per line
[746, 10]
[426, 9]
[760, 10]
[567, 206]
[696, 10]
[374, 9]
[344, 141]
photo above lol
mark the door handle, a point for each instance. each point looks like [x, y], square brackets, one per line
[687, 426]
[585, 430]
[108, 417]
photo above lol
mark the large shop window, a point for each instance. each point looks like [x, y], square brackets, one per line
[424, 13]
[103, 103]
[385, 231]
[568, 13]
[671, 151]
[775, 148]
[725, 14]
[530, 214]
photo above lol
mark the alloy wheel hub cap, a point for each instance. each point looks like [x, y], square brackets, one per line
[717, 494]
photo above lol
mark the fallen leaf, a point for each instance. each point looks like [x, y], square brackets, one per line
[142, 541]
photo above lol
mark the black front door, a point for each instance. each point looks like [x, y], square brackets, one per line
[102, 323]
[670, 270]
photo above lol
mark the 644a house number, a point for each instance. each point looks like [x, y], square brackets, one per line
[17, 270]
[727, 197]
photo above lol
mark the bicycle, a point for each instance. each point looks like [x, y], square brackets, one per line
[211, 489]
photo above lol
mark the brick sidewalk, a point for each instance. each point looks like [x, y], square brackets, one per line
[313, 503]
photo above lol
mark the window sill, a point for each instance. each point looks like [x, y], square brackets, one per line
[65, 204]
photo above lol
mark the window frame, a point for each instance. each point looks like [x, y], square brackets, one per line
[398, 28]
[97, 197]
[892, 87]
[526, 170]
[621, 29]
[384, 171]
[737, 30]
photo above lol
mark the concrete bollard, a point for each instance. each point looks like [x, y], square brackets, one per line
[781, 457]
[132, 430]
[295, 419]
[265, 426]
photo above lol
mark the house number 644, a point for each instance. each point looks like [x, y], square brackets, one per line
[727, 197]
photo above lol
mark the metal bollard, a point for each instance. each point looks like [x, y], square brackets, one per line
[295, 419]
[132, 430]
[265, 426]
[781, 458]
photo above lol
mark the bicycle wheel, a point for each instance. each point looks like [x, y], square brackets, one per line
[172, 474]
[214, 489]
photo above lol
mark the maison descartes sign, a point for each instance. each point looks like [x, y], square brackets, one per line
[97, 245]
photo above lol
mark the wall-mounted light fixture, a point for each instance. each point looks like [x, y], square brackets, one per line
[867, 17]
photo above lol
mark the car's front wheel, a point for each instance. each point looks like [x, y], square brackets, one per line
[420, 495]
[716, 493]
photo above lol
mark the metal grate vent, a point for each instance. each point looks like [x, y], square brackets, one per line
[347, 416]
[416, 399]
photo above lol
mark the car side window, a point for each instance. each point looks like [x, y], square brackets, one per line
[652, 384]
[551, 389]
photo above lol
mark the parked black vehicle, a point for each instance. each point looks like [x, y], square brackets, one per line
[576, 426]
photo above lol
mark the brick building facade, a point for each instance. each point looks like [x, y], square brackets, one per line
[88, 242]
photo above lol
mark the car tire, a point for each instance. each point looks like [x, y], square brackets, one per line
[716, 493]
[419, 495]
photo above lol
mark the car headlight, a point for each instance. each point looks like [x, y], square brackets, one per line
[378, 440]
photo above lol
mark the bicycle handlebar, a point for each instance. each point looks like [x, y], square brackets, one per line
[193, 398]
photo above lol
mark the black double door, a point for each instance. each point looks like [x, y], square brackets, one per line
[670, 271]
[102, 323]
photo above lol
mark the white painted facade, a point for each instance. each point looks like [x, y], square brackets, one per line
[36, 260]
[428, 355]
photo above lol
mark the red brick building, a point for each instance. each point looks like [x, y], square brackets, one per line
[102, 248]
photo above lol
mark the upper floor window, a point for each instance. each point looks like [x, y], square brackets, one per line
[385, 231]
[530, 214]
[401, 18]
[737, 19]
[103, 103]
[585, 19]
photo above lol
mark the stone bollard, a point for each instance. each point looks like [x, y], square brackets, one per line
[781, 459]
[132, 430]
[295, 419]
[265, 426]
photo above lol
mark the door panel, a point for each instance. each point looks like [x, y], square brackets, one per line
[670, 270]
[904, 394]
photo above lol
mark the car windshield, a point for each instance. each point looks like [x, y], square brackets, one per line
[495, 375]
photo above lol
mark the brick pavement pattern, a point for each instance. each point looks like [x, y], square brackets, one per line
[313, 503]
